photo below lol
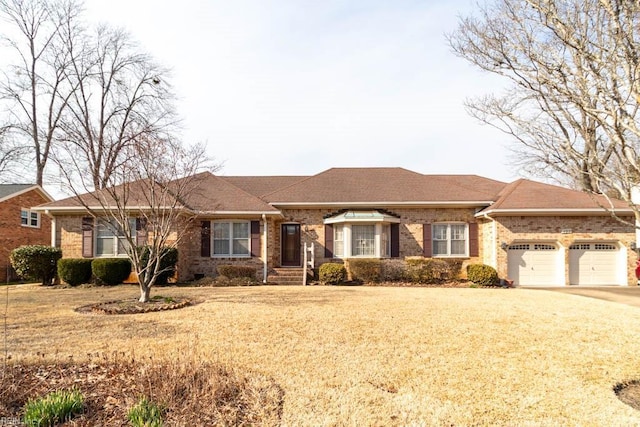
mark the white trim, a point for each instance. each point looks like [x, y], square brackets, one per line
[231, 238]
[28, 224]
[575, 211]
[265, 251]
[449, 254]
[376, 217]
[53, 232]
[347, 242]
[374, 204]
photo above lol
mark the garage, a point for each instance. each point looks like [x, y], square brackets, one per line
[536, 264]
[595, 264]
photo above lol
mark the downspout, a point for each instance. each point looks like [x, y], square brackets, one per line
[494, 245]
[264, 251]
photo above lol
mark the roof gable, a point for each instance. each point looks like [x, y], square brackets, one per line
[9, 191]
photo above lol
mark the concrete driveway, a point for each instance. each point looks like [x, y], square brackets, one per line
[620, 294]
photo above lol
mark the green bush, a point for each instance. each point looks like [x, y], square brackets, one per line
[145, 414]
[482, 274]
[365, 270]
[54, 408]
[110, 271]
[36, 262]
[332, 273]
[236, 271]
[74, 271]
[168, 261]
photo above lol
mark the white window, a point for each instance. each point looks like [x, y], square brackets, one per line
[450, 240]
[111, 239]
[29, 219]
[363, 240]
[231, 238]
[338, 240]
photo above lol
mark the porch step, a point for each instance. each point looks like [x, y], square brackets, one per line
[285, 276]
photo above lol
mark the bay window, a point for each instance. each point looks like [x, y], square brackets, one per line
[338, 240]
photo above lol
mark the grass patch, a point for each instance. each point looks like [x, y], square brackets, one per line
[56, 407]
[335, 355]
[145, 414]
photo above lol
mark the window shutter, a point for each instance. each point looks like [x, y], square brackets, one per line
[328, 241]
[473, 239]
[395, 240]
[141, 231]
[205, 239]
[255, 238]
[87, 237]
[427, 246]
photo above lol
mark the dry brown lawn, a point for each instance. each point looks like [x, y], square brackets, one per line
[359, 356]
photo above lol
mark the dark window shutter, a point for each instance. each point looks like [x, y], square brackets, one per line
[255, 238]
[473, 239]
[87, 237]
[427, 245]
[205, 239]
[141, 231]
[328, 241]
[395, 240]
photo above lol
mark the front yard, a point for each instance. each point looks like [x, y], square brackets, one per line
[370, 356]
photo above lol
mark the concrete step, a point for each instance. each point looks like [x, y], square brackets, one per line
[285, 276]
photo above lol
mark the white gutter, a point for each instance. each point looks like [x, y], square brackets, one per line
[53, 228]
[381, 203]
[576, 211]
[265, 252]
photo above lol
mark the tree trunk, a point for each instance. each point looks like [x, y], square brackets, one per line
[145, 293]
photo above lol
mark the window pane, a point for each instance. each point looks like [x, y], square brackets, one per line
[440, 232]
[241, 247]
[104, 246]
[123, 246]
[363, 240]
[440, 247]
[338, 240]
[240, 230]
[385, 250]
[458, 247]
[220, 230]
[24, 217]
[457, 231]
[221, 247]
[34, 219]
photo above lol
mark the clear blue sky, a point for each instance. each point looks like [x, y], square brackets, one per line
[284, 87]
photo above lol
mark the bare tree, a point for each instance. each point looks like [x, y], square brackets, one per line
[35, 88]
[10, 155]
[574, 68]
[146, 200]
[122, 97]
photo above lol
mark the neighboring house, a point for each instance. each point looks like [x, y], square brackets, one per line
[533, 233]
[19, 224]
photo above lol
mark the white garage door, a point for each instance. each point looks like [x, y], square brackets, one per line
[535, 264]
[594, 264]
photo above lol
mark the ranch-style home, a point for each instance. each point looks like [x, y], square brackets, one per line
[533, 233]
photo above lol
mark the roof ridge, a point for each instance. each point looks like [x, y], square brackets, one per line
[507, 191]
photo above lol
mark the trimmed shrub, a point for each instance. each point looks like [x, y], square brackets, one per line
[168, 261]
[332, 273]
[236, 271]
[36, 262]
[110, 271]
[482, 274]
[365, 270]
[393, 270]
[55, 408]
[74, 271]
[432, 270]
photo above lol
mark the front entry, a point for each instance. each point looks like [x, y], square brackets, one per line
[290, 245]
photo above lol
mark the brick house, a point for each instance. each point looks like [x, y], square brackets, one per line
[19, 224]
[533, 233]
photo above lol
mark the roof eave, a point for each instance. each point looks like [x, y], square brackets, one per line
[377, 204]
[557, 211]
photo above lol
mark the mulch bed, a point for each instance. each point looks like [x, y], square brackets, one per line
[133, 306]
[629, 393]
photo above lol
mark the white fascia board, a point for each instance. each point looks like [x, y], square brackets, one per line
[252, 213]
[26, 190]
[379, 204]
[81, 209]
[564, 211]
